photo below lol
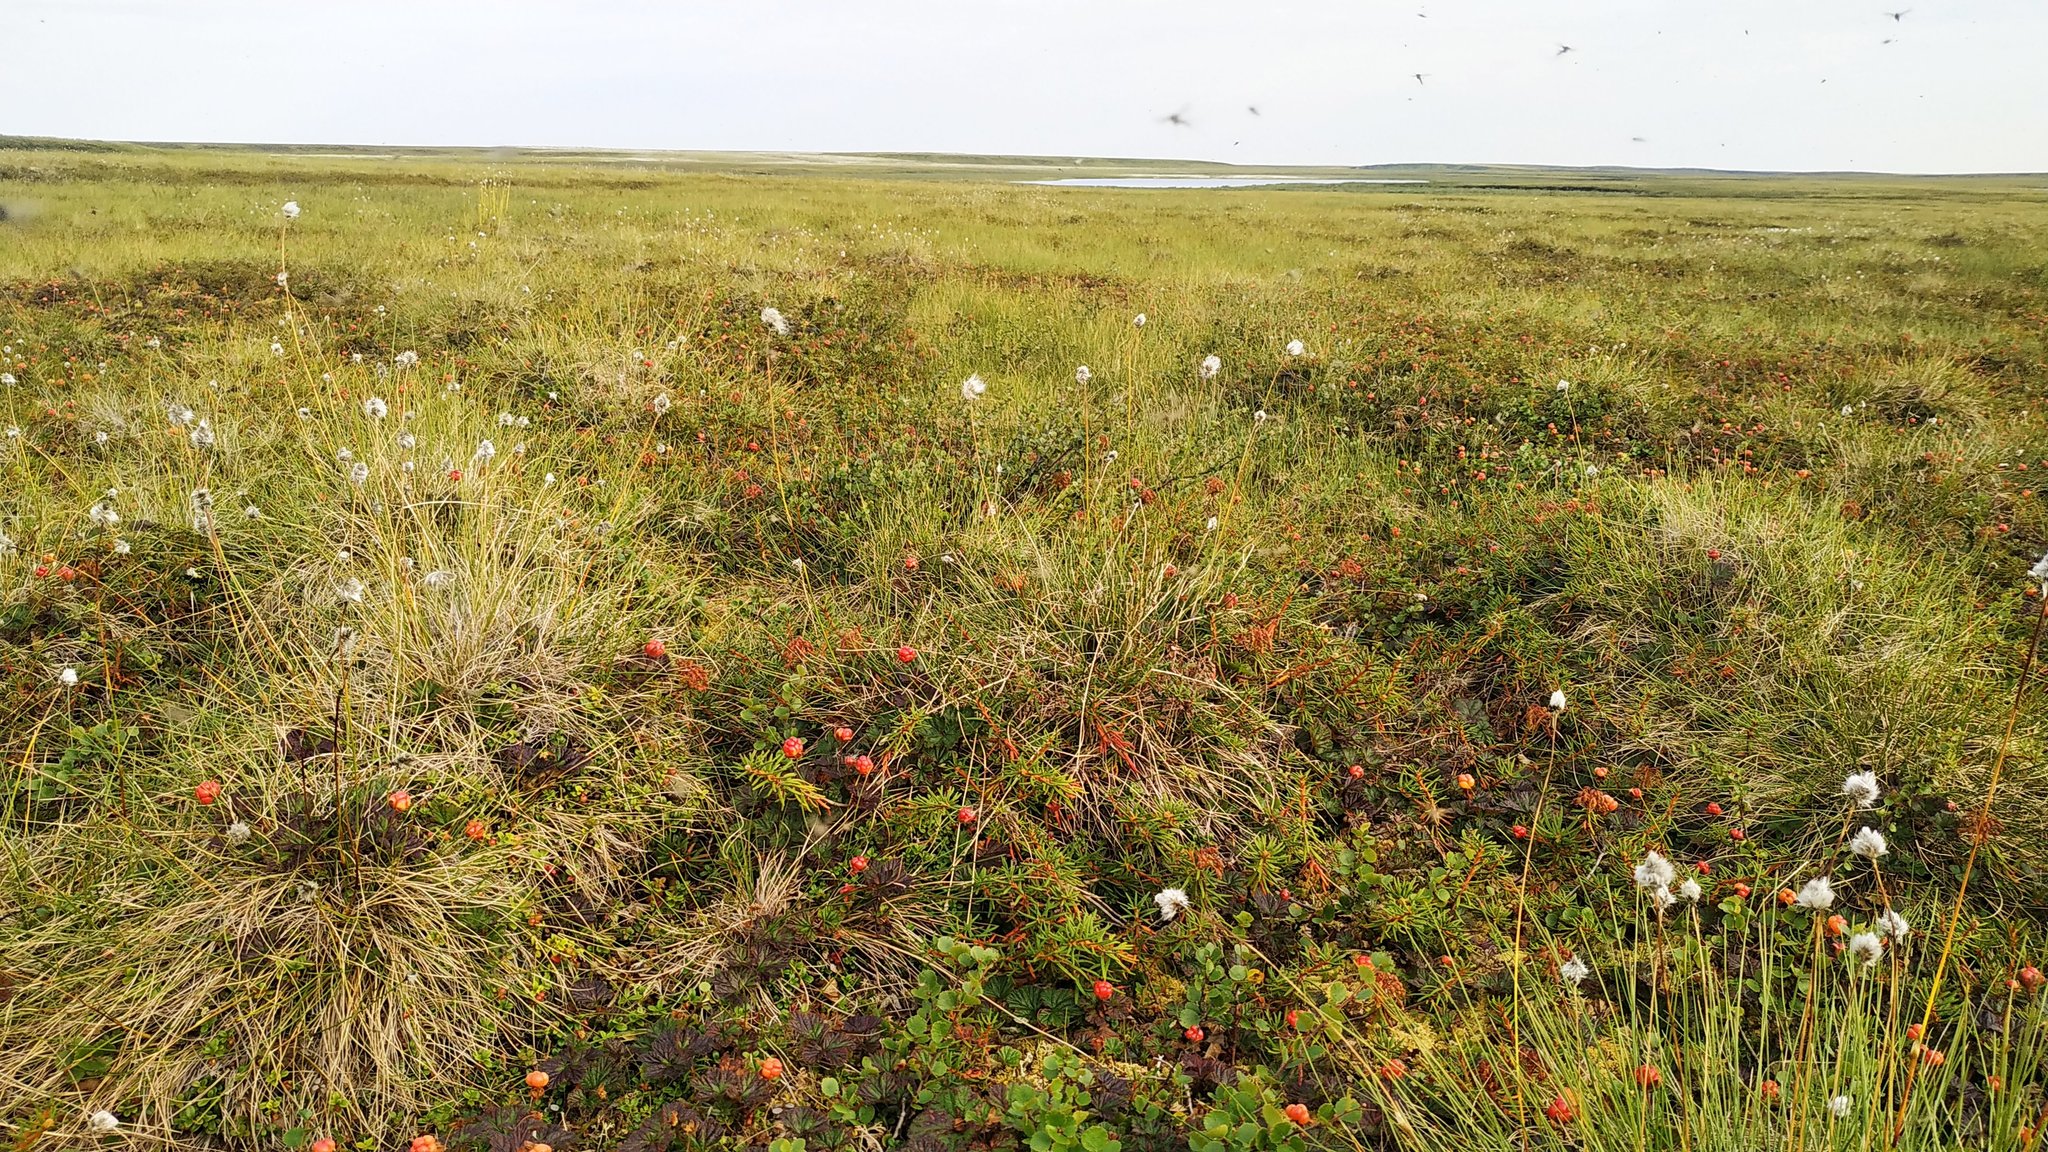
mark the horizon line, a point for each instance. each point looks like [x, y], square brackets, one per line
[14, 142]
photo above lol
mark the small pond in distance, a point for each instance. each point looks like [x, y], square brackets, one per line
[1207, 181]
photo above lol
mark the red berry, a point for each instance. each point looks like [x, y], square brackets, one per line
[906, 654]
[400, 800]
[474, 829]
[1194, 1034]
[1294, 1018]
[207, 792]
[771, 1069]
[793, 748]
[1104, 989]
[2031, 977]
[323, 1144]
[655, 649]
[965, 816]
[858, 865]
[843, 734]
[455, 474]
[1299, 1114]
[1736, 834]
[1713, 553]
[1702, 867]
[1356, 771]
[862, 764]
[1713, 809]
[1559, 1110]
[1521, 832]
[537, 1080]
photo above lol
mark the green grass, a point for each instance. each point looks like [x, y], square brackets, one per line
[1093, 639]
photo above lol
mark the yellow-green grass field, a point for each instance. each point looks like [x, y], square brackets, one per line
[657, 653]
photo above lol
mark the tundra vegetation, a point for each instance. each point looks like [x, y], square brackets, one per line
[510, 651]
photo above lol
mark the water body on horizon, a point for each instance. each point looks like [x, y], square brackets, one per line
[1208, 181]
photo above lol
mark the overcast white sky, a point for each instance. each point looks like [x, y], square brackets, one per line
[1777, 84]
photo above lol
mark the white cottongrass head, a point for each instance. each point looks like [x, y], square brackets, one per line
[1557, 699]
[1655, 872]
[104, 516]
[202, 434]
[1575, 971]
[276, 349]
[1172, 902]
[1211, 365]
[1862, 788]
[2038, 573]
[103, 1121]
[238, 833]
[359, 473]
[1892, 925]
[375, 408]
[291, 209]
[1690, 889]
[1564, 385]
[772, 317]
[406, 359]
[438, 579]
[1296, 347]
[1082, 375]
[971, 389]
[1868, 843]
[284, 279]
[1662, 898]
[1868, 947]
[68, 677]
[484, 451]
[1839, 1106]
[351, 590]
[178, 414]
[1817, 895]
[1138, 321]
[662, 404]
